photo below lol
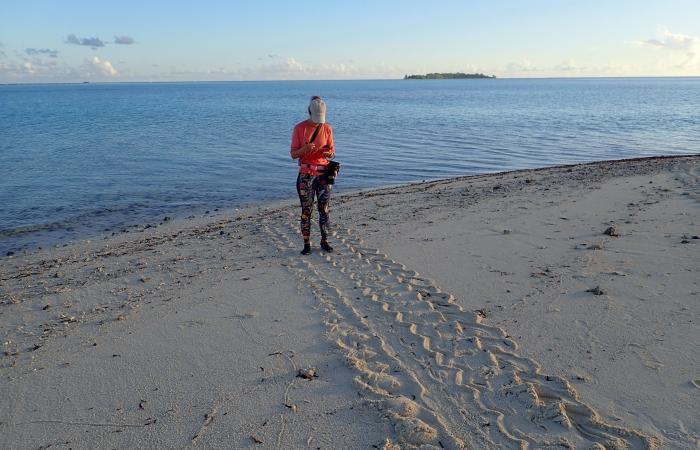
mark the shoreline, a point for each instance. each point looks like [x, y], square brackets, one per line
[490, 311]
[34, 239]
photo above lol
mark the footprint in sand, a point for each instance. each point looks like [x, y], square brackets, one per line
[191, 324]
[645, 355]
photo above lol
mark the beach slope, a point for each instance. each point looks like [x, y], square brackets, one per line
[540, 308]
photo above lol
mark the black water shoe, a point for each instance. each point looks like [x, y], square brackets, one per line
[326, 247]
[307, 249]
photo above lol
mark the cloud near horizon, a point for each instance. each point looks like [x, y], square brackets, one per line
[290, 68]
[92, 42]
[519, 67]
[48, 70]
[41, 52]
[30, 67]
[676, 42]
[667, 54]
[569, 68]
[105, 66]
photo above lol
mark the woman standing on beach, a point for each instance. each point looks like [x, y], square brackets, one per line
[312, 145]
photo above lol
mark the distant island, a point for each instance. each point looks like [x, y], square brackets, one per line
[447, 76]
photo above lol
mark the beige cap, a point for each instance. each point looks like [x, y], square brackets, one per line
[317, 109]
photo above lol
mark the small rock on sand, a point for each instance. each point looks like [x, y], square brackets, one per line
[307, 374]
[611, 231]
[596, 291]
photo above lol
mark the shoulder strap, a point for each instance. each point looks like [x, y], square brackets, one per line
[313, 136]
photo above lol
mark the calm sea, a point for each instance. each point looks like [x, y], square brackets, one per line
[77, 160]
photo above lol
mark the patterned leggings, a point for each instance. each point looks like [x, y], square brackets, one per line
[308, 187]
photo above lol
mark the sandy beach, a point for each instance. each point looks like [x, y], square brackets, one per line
[548, 308]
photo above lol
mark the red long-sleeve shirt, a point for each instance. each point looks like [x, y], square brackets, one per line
[324, 142]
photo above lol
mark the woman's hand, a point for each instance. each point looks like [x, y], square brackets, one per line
[301, 151]
[312, 148]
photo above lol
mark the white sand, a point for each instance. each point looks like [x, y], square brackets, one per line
[452, 314]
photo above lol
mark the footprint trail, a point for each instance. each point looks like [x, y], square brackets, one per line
[443, 377]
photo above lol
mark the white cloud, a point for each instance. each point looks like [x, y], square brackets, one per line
[674, 41]
[570, 65]
[29, 68]
[567, 68]
[41, 69]
[105, 66]
[519, 67]
[687, 46]
[290, 69]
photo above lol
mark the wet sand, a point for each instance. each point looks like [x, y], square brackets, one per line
[540, 308]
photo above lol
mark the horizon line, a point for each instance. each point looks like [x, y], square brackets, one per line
[344, 79]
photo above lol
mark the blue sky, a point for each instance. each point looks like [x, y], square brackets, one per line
[229, 40]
